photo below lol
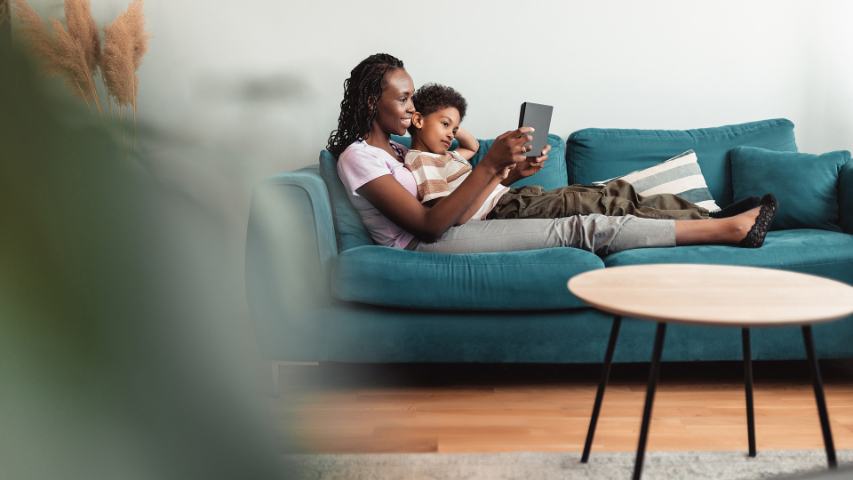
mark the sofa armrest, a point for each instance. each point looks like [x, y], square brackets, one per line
[845, 197]
[290, 245]
[269, 206]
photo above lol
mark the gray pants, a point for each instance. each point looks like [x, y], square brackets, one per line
[596, 233]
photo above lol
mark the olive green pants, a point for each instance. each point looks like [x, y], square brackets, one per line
[615, 198]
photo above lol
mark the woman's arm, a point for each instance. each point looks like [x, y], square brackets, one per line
[429, 224]
[476, 204]
[468, 145]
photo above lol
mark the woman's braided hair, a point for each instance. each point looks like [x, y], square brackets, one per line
[361, 94]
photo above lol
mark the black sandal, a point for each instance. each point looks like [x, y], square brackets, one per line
[756, 235]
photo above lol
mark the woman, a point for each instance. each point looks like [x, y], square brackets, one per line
[378, 102]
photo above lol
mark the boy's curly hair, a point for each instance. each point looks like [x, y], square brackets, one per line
[363, 87]
[433, 97]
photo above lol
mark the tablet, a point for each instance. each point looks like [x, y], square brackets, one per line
[537, 116]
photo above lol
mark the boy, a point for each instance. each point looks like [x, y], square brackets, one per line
[439, 170]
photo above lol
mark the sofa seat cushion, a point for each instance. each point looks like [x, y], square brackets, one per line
[818, 252]
[522, 280]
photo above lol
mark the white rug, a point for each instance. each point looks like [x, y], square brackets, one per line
[562, 466]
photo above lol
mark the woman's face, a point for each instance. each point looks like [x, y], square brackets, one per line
[395, 108]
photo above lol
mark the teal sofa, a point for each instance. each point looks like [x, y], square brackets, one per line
[320, 290]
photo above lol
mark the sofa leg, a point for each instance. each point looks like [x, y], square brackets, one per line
[275, 379]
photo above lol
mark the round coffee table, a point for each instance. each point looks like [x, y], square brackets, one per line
[722, 295]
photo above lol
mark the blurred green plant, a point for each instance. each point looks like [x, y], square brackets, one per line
[5, 20]
[122, 352]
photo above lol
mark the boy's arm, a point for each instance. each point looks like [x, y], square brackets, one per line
[468, 145]
[478, 202]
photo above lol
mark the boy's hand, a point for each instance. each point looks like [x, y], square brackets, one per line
[508, 149]
[468, 145]
[527, 167]
[533, 165]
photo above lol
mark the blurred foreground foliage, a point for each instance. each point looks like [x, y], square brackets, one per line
[122, 353]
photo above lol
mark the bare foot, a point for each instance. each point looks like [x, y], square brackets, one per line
[756, 223]
[742, 223]
[747, 229]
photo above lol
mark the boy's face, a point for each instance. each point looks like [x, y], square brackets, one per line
[438, 129]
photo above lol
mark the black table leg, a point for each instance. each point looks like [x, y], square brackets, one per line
[650, 398]
[747, 384]
[599, 394]
[817, 382]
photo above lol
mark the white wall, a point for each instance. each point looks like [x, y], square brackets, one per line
[827, 121]
[650, 64]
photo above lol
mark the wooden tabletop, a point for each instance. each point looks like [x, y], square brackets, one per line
[714, 294]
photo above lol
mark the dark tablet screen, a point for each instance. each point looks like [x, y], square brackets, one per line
[537, 116]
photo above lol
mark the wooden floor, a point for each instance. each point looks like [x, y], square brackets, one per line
[496, 408]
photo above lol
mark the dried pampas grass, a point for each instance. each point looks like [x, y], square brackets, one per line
[35, 34]
[125, 42]
[117, 63]
[81, 26]
[70, 57]
[136, 22]
[61, 53]
[74, 50]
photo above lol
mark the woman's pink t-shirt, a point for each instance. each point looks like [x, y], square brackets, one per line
[361, 163]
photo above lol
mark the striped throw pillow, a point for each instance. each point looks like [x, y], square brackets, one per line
[680, 175]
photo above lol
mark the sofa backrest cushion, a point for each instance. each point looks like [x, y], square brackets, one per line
[349, 229]
[805, 185]
[552, 175]
[595, 154]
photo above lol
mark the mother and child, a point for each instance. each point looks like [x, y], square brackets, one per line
[430, 199]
